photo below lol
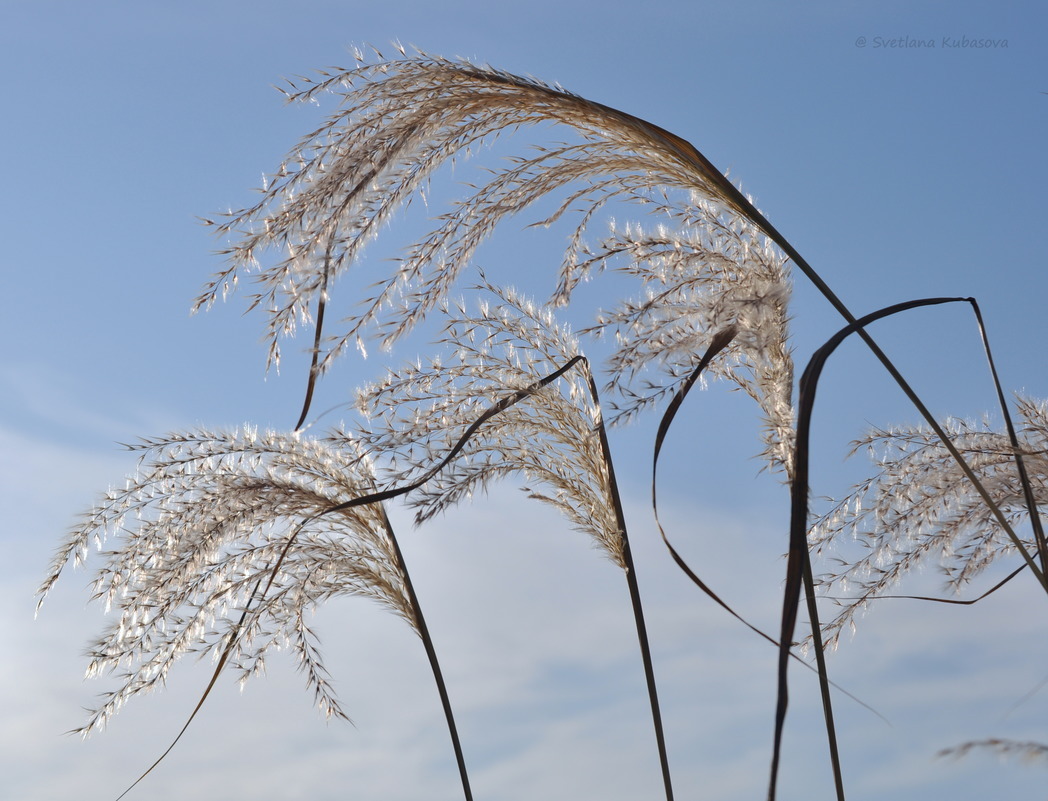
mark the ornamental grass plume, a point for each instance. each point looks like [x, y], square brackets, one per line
[919, 507]
[398, 122]
[1025, 751]
[209, 520]
[712, 272]
[224, 540]
[416, 413]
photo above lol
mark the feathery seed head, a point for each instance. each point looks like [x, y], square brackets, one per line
[201, 527]
[919, 506]
[548, 438]
[398, 122]
[712, 272]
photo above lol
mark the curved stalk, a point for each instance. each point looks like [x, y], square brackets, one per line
[798, 570]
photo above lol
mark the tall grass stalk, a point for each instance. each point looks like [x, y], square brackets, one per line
[555, 439]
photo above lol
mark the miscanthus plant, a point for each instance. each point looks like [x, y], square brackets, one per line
[222, 542]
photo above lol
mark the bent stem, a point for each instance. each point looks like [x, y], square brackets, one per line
[1020, 462]
[798, 571]
[798, 564]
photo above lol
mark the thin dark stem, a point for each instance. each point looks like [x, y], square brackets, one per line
[314, 365]
[427, 641]
[798, 566]
[824, 674]
[634, 589]
[719, 341]
[1020, 463]
[955, 601]
[649, 670]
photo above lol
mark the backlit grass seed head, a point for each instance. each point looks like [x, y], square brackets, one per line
[920, 508]
[710, 272]
[194, 534]
[419, 412]
[398, 122]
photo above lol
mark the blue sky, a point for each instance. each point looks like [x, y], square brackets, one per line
[898, 171]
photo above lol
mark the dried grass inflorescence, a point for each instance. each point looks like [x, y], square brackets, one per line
[710, 271]
[419, 412]
[399, 121]
[919, 506]
[211, 512]
[195, 535]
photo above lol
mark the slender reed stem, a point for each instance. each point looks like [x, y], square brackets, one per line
[631, 582]
[649, 670]
[427, 641]
[824, 674]
[1013, 439]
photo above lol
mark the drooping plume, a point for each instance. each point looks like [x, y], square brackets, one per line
[195, 534]
[920, 508]
[549, 439]
[398, 122]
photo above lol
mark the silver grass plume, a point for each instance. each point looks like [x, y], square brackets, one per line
[920, 507]
[710, 272]
[419, 412]
[398, 122]
[199, 528]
